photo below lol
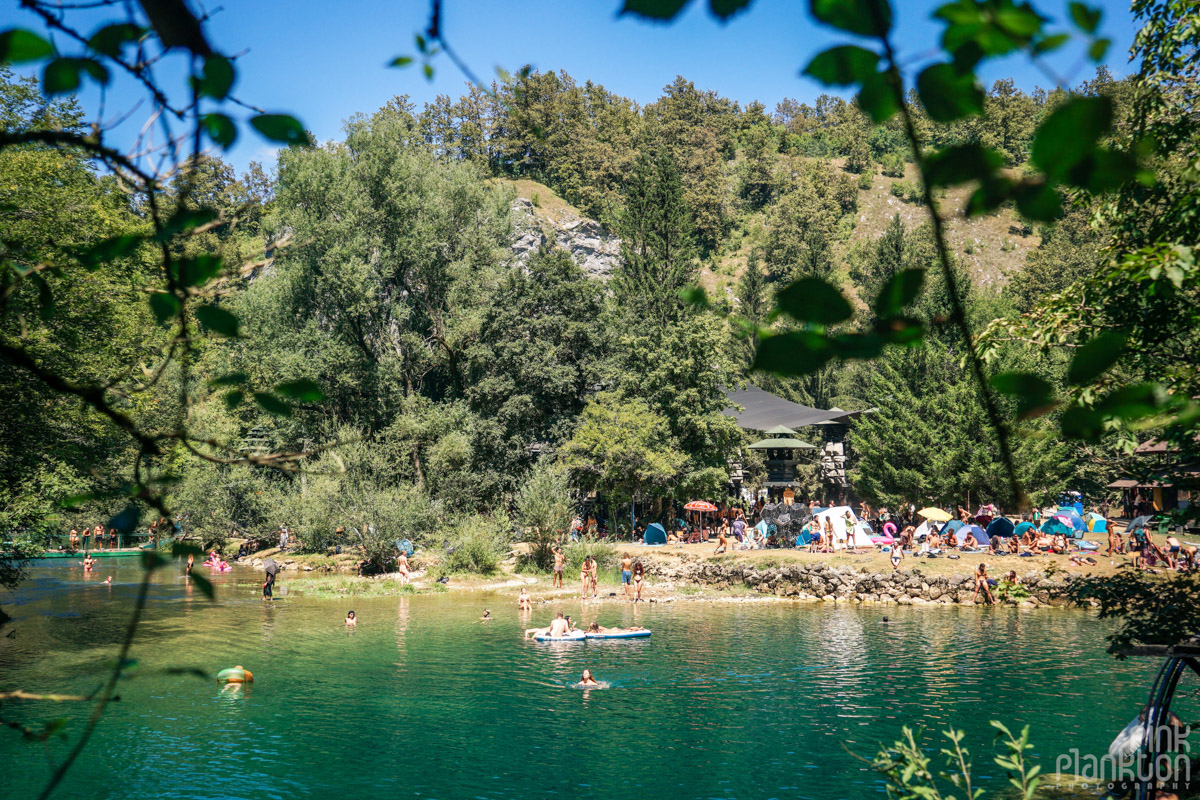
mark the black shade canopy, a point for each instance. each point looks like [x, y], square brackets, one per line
[763, 410]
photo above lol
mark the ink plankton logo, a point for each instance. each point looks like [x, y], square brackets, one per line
[1127, 763]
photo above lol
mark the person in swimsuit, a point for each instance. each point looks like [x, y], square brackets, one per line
[969, 541]
[74, 539]
[98, 537]
[722, 539]
[594, 573]
[88, 563]
[402, 566]
[523, 601]
[627, 574]
[639, 580]
[1172, 552]
[559, 561]
[897, 556]
[487, 616]
[190, 563]
[981, 582]
[560, 626]
[587, 680]
[351, 619]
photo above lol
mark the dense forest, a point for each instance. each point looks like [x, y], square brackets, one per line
[457, 387]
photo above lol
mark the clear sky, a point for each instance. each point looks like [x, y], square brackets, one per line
[324, 60]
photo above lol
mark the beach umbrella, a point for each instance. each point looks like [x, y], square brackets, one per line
[935, 514]
[700, 505]
[269, 566]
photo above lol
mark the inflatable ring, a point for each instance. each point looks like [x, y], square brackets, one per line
[238, 674]
[887, 525]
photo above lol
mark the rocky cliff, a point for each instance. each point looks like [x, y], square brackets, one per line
[593, 248]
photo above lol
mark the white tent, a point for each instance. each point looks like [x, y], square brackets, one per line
[923, 530]
[853, 535]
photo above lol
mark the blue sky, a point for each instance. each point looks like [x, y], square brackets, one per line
[324, 61]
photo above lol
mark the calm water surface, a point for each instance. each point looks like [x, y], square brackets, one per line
[422, 700]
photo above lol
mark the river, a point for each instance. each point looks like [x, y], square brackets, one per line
[725, 700]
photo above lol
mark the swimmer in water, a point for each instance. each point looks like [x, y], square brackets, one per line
[88, 563]
[351, 619]
[108, 580]
[487, 615]
[523, 601]
[596, 627]
[587, 680]
[884, 621]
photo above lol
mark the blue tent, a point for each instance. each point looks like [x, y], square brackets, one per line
[1053, 526]
[655, 534]
[951, 527]
[1000, 526]
[981, 536]
[1024, 526]
[1076, 520]
[405, 546]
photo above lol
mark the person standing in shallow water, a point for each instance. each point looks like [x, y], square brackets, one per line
[271, 569]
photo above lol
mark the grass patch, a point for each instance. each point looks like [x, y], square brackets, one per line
[352, 586]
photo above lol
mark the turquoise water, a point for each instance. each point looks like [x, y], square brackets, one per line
[423, 700]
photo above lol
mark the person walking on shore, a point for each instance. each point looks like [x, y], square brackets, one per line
[559, 563]
[626, 574]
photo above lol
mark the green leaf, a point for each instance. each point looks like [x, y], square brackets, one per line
[110, 249]
[948, 94]
[61, 76]
[1037, 200]
[961, 164]
[1086, 18]
[724, 9]
[198, 270]
[428, 70]
[401, 61]
[272, 404]
[1095, 358]
[1098, 49]
[220, 128]
[857, 345]
[900, 330]
[898, 292]
[110, 39]
[97, 71]
[813, 300]
[218, 320]
[1134, 402]
[792, 353]
[229, 379]
[1035, 395]
[281, 128]
[878, 98]
[1070, 133]
[233, 399]
[864, 17]
[1103, 170]
[203, 584]
[18, 46]
[217, 77]
[127, 520]
[694, 296]
[660, 10]
[305, 391]
[1079, 422]
[164, 305]
[1050, 43]
[847, 65]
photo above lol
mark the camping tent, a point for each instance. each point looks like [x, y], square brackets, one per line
[981, 536]
[1071, 514]
[857, 534]
[951, 527]
[1023, 527]
[1097, 523]
[655, 534]
[1000, 526]
[1054, 525]
[922, 531]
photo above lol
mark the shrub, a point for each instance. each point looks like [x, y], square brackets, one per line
[536, 199]
[865, 181]
[893, 165]
[476, 544]
[576, 552]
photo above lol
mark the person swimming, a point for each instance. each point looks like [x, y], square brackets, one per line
[587, 679]
[487, 616]
[523, 601]
[351, 619]
[88, 563]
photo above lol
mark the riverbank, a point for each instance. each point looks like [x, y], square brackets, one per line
[693, 572]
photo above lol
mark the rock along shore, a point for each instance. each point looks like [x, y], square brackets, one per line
[855, 584]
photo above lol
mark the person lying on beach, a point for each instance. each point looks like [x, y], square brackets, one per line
[587, 680]
[1080, 560]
